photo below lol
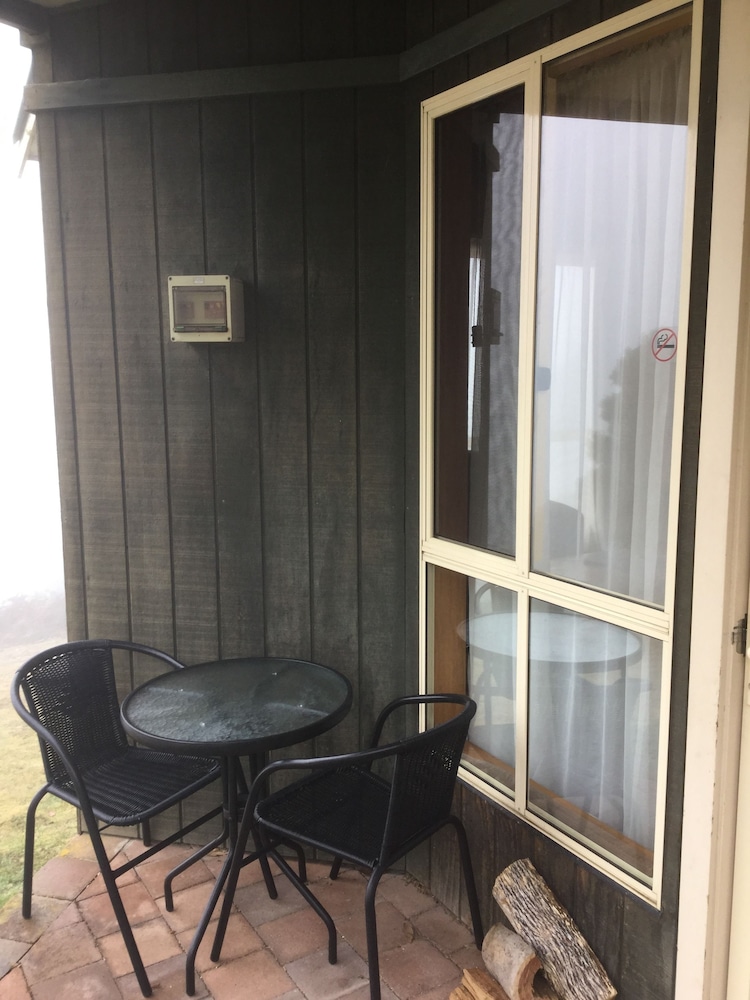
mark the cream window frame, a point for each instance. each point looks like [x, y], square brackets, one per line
[515, 573]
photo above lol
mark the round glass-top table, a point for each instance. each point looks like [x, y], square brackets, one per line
[246, 706]
[580, 692]
[561, 638]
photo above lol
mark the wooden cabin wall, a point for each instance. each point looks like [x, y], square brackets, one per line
[245, 497]
[262, 497]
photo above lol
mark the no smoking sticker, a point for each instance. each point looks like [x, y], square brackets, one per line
[664, 344]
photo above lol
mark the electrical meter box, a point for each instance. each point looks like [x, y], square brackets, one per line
[206, 308]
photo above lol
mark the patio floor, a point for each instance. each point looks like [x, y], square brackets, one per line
[274, 949]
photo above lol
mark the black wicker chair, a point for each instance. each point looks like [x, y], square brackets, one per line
[68, 695]
[369, 808]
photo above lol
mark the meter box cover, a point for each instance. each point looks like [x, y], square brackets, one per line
[206, 307]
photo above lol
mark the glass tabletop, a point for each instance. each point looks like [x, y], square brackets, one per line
[237, 706]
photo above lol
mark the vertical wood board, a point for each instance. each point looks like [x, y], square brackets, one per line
[139, 351]
[282, 352]
[230, 232]
[275, 31]
[123, 38]
[223, 36]
[173, 43]
[331, 267]
[75, 44]
[180, 241]
[328, 29]
[380, 28]
[67, 458]
[98, 441]
[381, 401]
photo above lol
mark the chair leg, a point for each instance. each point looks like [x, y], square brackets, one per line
[471, 886]
[313, 900]
[28, 851]
[301, 860]
[117, 905]
[373, 960]
[146, 833]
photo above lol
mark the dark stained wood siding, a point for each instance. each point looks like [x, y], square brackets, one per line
[282, 348]
[140, 368]
[262, 497]
[330, 195]
[230, 225]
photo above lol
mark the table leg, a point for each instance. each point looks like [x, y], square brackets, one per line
[257, 762]
[201, 929]
[237, 861]
[237, 840]
[229, 786]
[184, 865]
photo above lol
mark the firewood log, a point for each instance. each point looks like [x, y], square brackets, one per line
[512, 961]
[533, 911]
[482, 986]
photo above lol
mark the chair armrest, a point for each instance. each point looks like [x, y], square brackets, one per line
[137, 647]
[413, 700]
[356, 759]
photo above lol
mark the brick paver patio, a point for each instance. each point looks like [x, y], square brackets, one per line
[274, 949]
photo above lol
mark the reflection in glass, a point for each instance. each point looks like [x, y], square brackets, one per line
[479, 176]
[613, 152]
[474, 652]
[594, 693]
[490, 634]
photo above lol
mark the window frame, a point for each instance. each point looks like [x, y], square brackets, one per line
[514, 573]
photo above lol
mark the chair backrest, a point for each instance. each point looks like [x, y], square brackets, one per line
[424, 773]
[70, 693]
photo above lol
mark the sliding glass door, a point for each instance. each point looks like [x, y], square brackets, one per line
[553, 331]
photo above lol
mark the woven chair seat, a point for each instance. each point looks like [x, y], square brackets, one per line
[137, 784]
[342, 811]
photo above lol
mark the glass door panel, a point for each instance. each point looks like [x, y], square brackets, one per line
[479, 181]
[613, 158]
[475, 626]
[594, 699]
[492, 663]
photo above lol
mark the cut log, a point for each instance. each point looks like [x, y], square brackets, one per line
[512, 961]
[533, 911]
[543, 990]
[460, 993]
[482, 986]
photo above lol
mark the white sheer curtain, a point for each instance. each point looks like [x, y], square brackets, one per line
[593, 722]
[611, 209]
[612, 185]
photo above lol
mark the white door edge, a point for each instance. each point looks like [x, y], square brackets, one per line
[722, 553]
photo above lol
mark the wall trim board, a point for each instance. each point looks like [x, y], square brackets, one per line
[474, 31]
[200, 84]
[356, 72]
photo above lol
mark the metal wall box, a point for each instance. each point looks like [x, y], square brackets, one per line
[206, 308]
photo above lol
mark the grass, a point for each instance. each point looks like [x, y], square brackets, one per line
[21, 776]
